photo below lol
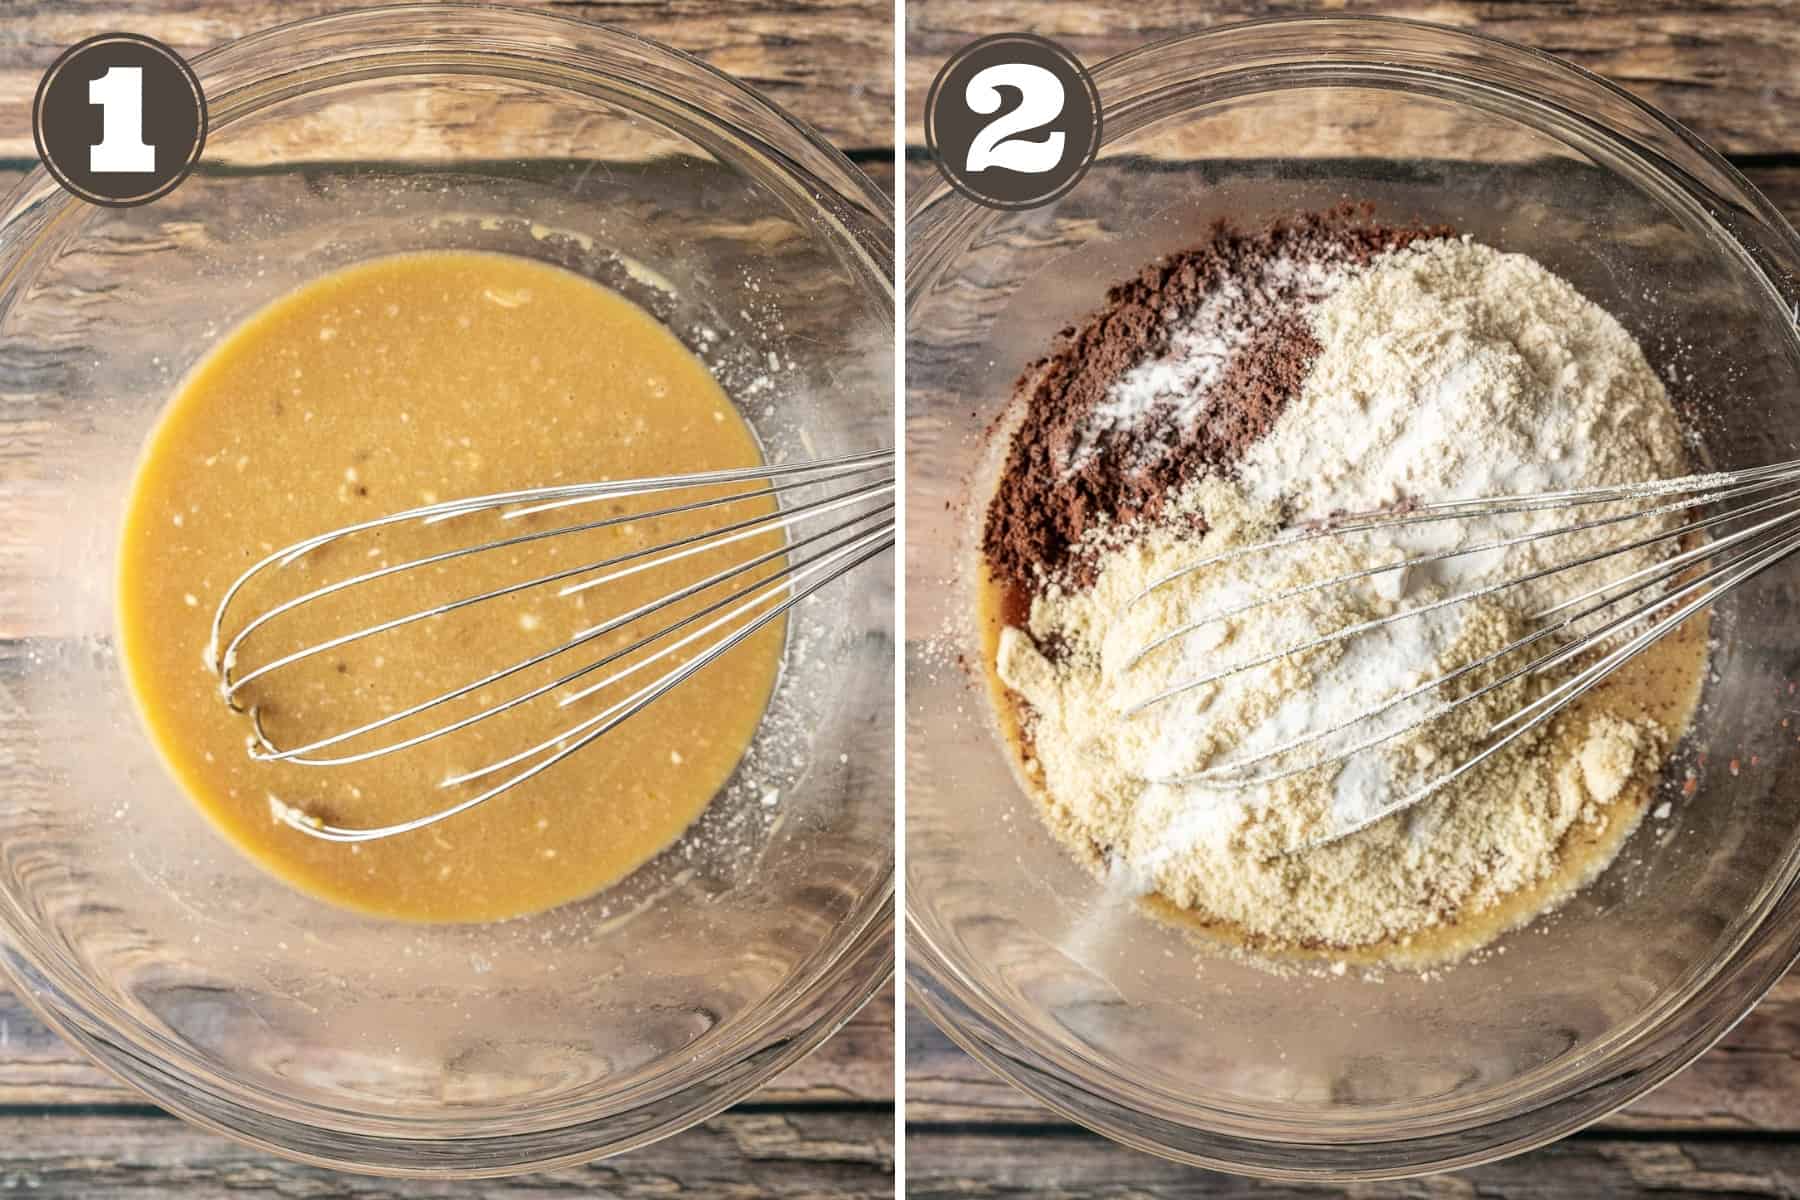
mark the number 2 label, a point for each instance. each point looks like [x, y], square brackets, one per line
[1041, 101]
[120, 96]
[1013, 121]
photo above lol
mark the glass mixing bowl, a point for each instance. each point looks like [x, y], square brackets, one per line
[1116, 1021]
[135, 929]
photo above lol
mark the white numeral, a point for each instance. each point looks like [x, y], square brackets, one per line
[120, 95]
[1041, 102]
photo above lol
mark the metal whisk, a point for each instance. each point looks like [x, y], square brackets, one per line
[1718, 531]
[827, 515]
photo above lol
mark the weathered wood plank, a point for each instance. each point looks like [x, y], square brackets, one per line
[830, 62]
[1728, 69]
[1781, 184]
[1067, 1164]
[796, 1155]
[856, 1065]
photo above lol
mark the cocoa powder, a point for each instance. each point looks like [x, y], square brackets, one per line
[1061, 476]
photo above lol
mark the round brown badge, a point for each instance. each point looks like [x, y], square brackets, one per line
[1013, 121]
[119, 119]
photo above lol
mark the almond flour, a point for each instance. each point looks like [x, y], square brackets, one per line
[1233, 854]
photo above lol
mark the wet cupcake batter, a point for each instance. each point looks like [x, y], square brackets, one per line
[387, 385]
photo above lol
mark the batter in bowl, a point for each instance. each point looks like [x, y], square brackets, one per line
[387, 385]
[1325, 364]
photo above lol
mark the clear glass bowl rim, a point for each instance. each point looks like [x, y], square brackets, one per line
[734, 122]
[1332, 50]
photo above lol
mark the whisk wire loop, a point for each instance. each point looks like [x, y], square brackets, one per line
[1744, 523]
[300, 820]
[267, 750]
[852, 494]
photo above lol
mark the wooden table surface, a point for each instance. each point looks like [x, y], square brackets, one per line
[825, 1127]
[1730, 1124]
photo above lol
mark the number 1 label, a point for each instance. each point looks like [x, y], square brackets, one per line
[120, 96]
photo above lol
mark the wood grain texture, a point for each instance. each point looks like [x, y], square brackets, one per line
[1780, 184]
[829, 62]
[1728, 69]
[1068, 1165]
[740, 1155]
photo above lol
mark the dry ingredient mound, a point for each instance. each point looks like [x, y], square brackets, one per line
[1441, 368]
[1452, 369]
[1236, 854]
[1182, 369]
